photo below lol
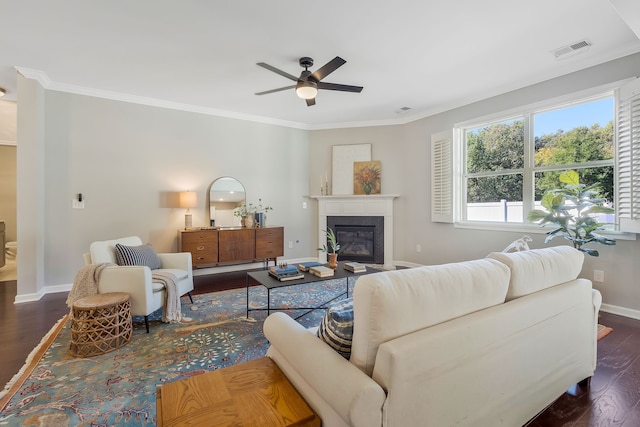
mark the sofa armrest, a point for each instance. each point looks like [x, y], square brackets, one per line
[353, 395]
[180, 261]
[134, 280]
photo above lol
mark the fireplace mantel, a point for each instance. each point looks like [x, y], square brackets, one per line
[352, 205]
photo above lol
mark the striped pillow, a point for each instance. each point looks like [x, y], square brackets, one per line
[137, 255]
[336, 328]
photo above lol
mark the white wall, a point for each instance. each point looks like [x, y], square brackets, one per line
[406, 170]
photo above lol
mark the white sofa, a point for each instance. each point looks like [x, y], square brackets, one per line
[145, 294]
[489, 342]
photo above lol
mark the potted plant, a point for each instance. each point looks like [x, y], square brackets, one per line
[250, 213]
[331, 247]
[573, 211]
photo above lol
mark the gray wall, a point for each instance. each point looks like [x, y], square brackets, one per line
[125, 159]
[404, 152]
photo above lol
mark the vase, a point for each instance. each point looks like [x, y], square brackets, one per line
[367, 188]
[260, 219]
[248, 221]
[333, 260]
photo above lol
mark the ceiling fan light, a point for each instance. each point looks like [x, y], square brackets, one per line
[306, 90]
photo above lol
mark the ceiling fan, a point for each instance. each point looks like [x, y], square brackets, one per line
[308, 84]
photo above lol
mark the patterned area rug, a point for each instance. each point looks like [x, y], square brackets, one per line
[119, 388]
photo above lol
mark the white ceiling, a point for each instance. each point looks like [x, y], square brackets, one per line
[429, 55]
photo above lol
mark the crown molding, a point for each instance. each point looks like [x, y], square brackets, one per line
[44, 80]
[403, 119]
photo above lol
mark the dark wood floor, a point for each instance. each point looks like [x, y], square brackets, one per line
[612, 400]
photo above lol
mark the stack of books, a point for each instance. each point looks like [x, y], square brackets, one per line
[286, 273]
[355, 267]
[305, 266]
[321, 271]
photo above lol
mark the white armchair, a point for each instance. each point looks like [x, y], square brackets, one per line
[146, 296]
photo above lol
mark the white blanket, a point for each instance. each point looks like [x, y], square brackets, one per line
[85, 283]
[171, 312]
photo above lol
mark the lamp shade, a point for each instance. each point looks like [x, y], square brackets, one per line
[306, 90]
[188, 199]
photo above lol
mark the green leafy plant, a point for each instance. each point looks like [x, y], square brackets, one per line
[573, 210]
[333, 246]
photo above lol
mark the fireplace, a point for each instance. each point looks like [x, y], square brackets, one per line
[346, 207]
[361, 238]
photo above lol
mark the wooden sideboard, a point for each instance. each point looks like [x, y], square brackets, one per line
[231, 245]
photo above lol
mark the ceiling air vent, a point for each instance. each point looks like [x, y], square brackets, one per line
[571, 50]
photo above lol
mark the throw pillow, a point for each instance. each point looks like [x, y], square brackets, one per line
[336, 328]
[137, 255]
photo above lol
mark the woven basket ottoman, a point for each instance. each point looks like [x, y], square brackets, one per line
[100, 323]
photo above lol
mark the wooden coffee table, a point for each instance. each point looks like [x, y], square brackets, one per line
[254, 393]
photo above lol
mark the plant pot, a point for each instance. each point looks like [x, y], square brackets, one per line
[248, 221]
[333, 260]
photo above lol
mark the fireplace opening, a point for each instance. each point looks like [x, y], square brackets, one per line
[361, 238]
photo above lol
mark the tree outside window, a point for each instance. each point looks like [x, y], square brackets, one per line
[507, 173]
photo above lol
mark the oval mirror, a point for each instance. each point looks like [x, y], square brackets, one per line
[225, 195]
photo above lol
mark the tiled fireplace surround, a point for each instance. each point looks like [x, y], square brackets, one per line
[345, 205]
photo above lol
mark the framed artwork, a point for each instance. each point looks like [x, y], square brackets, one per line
[367, 177]
[342, 169]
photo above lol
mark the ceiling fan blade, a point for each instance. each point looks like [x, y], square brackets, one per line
[276, 90]
[311, 102]
[343, 88]
[275, 70]
[328, 68]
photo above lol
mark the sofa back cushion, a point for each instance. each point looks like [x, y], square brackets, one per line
[105, 251]
[395, 303]
[538, 269]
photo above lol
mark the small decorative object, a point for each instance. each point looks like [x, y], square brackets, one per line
[333, 260]
[332, 248]
[521, 244]
[571, 210]
[251, 214]
[366, 177]
[248, 221]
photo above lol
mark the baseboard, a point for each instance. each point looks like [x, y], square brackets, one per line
[42, 292]
[621, 311]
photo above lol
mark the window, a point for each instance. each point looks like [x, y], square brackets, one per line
[508, 163]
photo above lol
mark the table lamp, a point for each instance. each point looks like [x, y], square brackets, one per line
[188, 199]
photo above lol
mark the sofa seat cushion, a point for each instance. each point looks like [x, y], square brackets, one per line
[336, 327]
[538, 269]
[395, 303]
[180, 275]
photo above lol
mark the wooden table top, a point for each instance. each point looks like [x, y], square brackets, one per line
[101, 300]
[254, 393]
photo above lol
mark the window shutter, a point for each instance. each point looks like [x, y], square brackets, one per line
[442, 177]
[628, 157]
